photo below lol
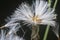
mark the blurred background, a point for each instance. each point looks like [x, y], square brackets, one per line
[7, 8]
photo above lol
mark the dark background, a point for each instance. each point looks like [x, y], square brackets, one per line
[7, 7]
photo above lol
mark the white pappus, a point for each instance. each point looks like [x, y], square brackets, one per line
[11, 36]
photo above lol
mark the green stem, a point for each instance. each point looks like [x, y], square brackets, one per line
[46, 32]
[55, 4]
[49, 1]
[47, 29]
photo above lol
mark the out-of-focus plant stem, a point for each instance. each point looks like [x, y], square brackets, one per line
[46, 32]
[47, 29]
[55, 4]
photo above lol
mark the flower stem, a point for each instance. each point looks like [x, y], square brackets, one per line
[35, 33]
[49, 1]
[46, 32]
[55, 4]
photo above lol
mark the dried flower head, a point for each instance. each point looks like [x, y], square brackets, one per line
[39, 12]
